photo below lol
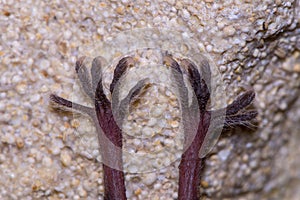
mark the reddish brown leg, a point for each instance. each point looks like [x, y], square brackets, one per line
[191, 164]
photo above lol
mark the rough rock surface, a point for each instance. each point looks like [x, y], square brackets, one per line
[253, 43]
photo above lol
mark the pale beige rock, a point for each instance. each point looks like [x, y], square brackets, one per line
[250, 42]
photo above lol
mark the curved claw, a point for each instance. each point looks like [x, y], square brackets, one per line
[205, 71]
[84, 77]
[189, 112]
[199, 85]
[136, 90]
[170, 62]
[178, 76]
[120, 69]
[96, 72]
[240, 103]
[71, 105]
[121, 108]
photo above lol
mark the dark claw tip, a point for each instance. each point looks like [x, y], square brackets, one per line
[79, 63]
[98, 61]
[128, 60]
[188, 65]
[53, 97]
[251, 93]
[168, 60]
